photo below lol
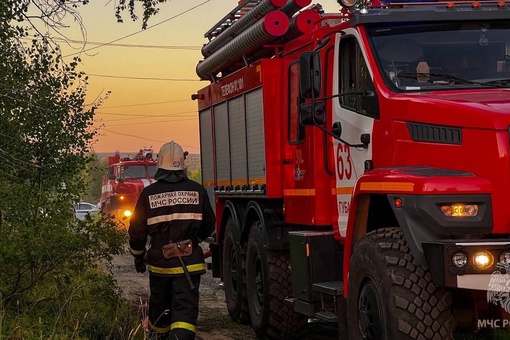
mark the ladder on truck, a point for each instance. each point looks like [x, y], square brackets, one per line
[231, 18]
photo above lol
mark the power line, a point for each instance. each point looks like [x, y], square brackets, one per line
[144, 115]
[142, 104]
[146, 139]
[135, 120]
[34, 104]
[143, 118]
[163, 47]
[139, 78]
[155, 122]
[134, 136]
[135, 33]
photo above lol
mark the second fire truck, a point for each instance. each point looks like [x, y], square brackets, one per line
[123, 182]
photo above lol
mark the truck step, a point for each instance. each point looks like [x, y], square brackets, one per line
[335, 288]
[326, 316]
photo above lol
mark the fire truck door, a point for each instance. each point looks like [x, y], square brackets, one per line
[351, 74]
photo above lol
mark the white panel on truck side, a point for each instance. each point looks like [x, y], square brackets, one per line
[255, 137]
[237, 132]
[222, 144]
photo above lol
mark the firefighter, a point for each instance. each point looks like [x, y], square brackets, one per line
[175, 215]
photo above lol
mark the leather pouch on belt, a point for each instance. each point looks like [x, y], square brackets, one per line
[175, 249]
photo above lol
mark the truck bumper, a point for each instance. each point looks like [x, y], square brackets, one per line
[470, 264]
[479, 282]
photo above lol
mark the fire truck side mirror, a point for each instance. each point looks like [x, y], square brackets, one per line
[312, 114]
[309, 75]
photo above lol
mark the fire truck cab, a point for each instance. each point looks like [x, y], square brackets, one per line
[359, 162]
[123, 182]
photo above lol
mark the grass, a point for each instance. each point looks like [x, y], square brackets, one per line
[89, 307]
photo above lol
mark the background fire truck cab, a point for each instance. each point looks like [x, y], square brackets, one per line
[125, 179]
[359, 165]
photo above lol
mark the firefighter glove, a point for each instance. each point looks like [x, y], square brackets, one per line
[140, 265]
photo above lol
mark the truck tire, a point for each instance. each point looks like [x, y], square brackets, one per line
[234, 276]
[390, 296]
[268, 275]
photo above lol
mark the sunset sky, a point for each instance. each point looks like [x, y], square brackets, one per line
[150, 73]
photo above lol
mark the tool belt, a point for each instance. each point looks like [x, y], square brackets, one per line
[177, 249]
[180, 249]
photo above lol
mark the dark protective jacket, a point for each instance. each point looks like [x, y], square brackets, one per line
[171, 212]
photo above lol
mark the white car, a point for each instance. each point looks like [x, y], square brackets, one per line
[82, 209]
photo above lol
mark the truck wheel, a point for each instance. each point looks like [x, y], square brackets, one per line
[268, 275]
[233, 276]
[392, 297]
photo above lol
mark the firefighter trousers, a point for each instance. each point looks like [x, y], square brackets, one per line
[173, 307]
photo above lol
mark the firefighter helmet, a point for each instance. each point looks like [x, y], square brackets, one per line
[171, 157]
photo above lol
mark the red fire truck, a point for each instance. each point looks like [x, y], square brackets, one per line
[123, 182]
[360, 165]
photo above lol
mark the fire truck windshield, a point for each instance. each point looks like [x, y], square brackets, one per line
[134, 171]
[443, 56]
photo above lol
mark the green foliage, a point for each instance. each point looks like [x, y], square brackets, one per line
[54, 281]
[51, 12]
[83, 305]
[149, 7]
[94, 178]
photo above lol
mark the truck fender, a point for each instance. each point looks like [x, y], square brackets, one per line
[358, 228]
[358, 222]
[235, 211]
[254, 213]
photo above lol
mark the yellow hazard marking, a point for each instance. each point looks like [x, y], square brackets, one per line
[342, 190]
[299, 192]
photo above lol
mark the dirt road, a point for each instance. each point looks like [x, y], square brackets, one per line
[214, 323]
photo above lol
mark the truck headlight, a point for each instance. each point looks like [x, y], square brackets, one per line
[126, 213]
[504, 258]
[459, 259]
[460, 210]
[483, 259]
